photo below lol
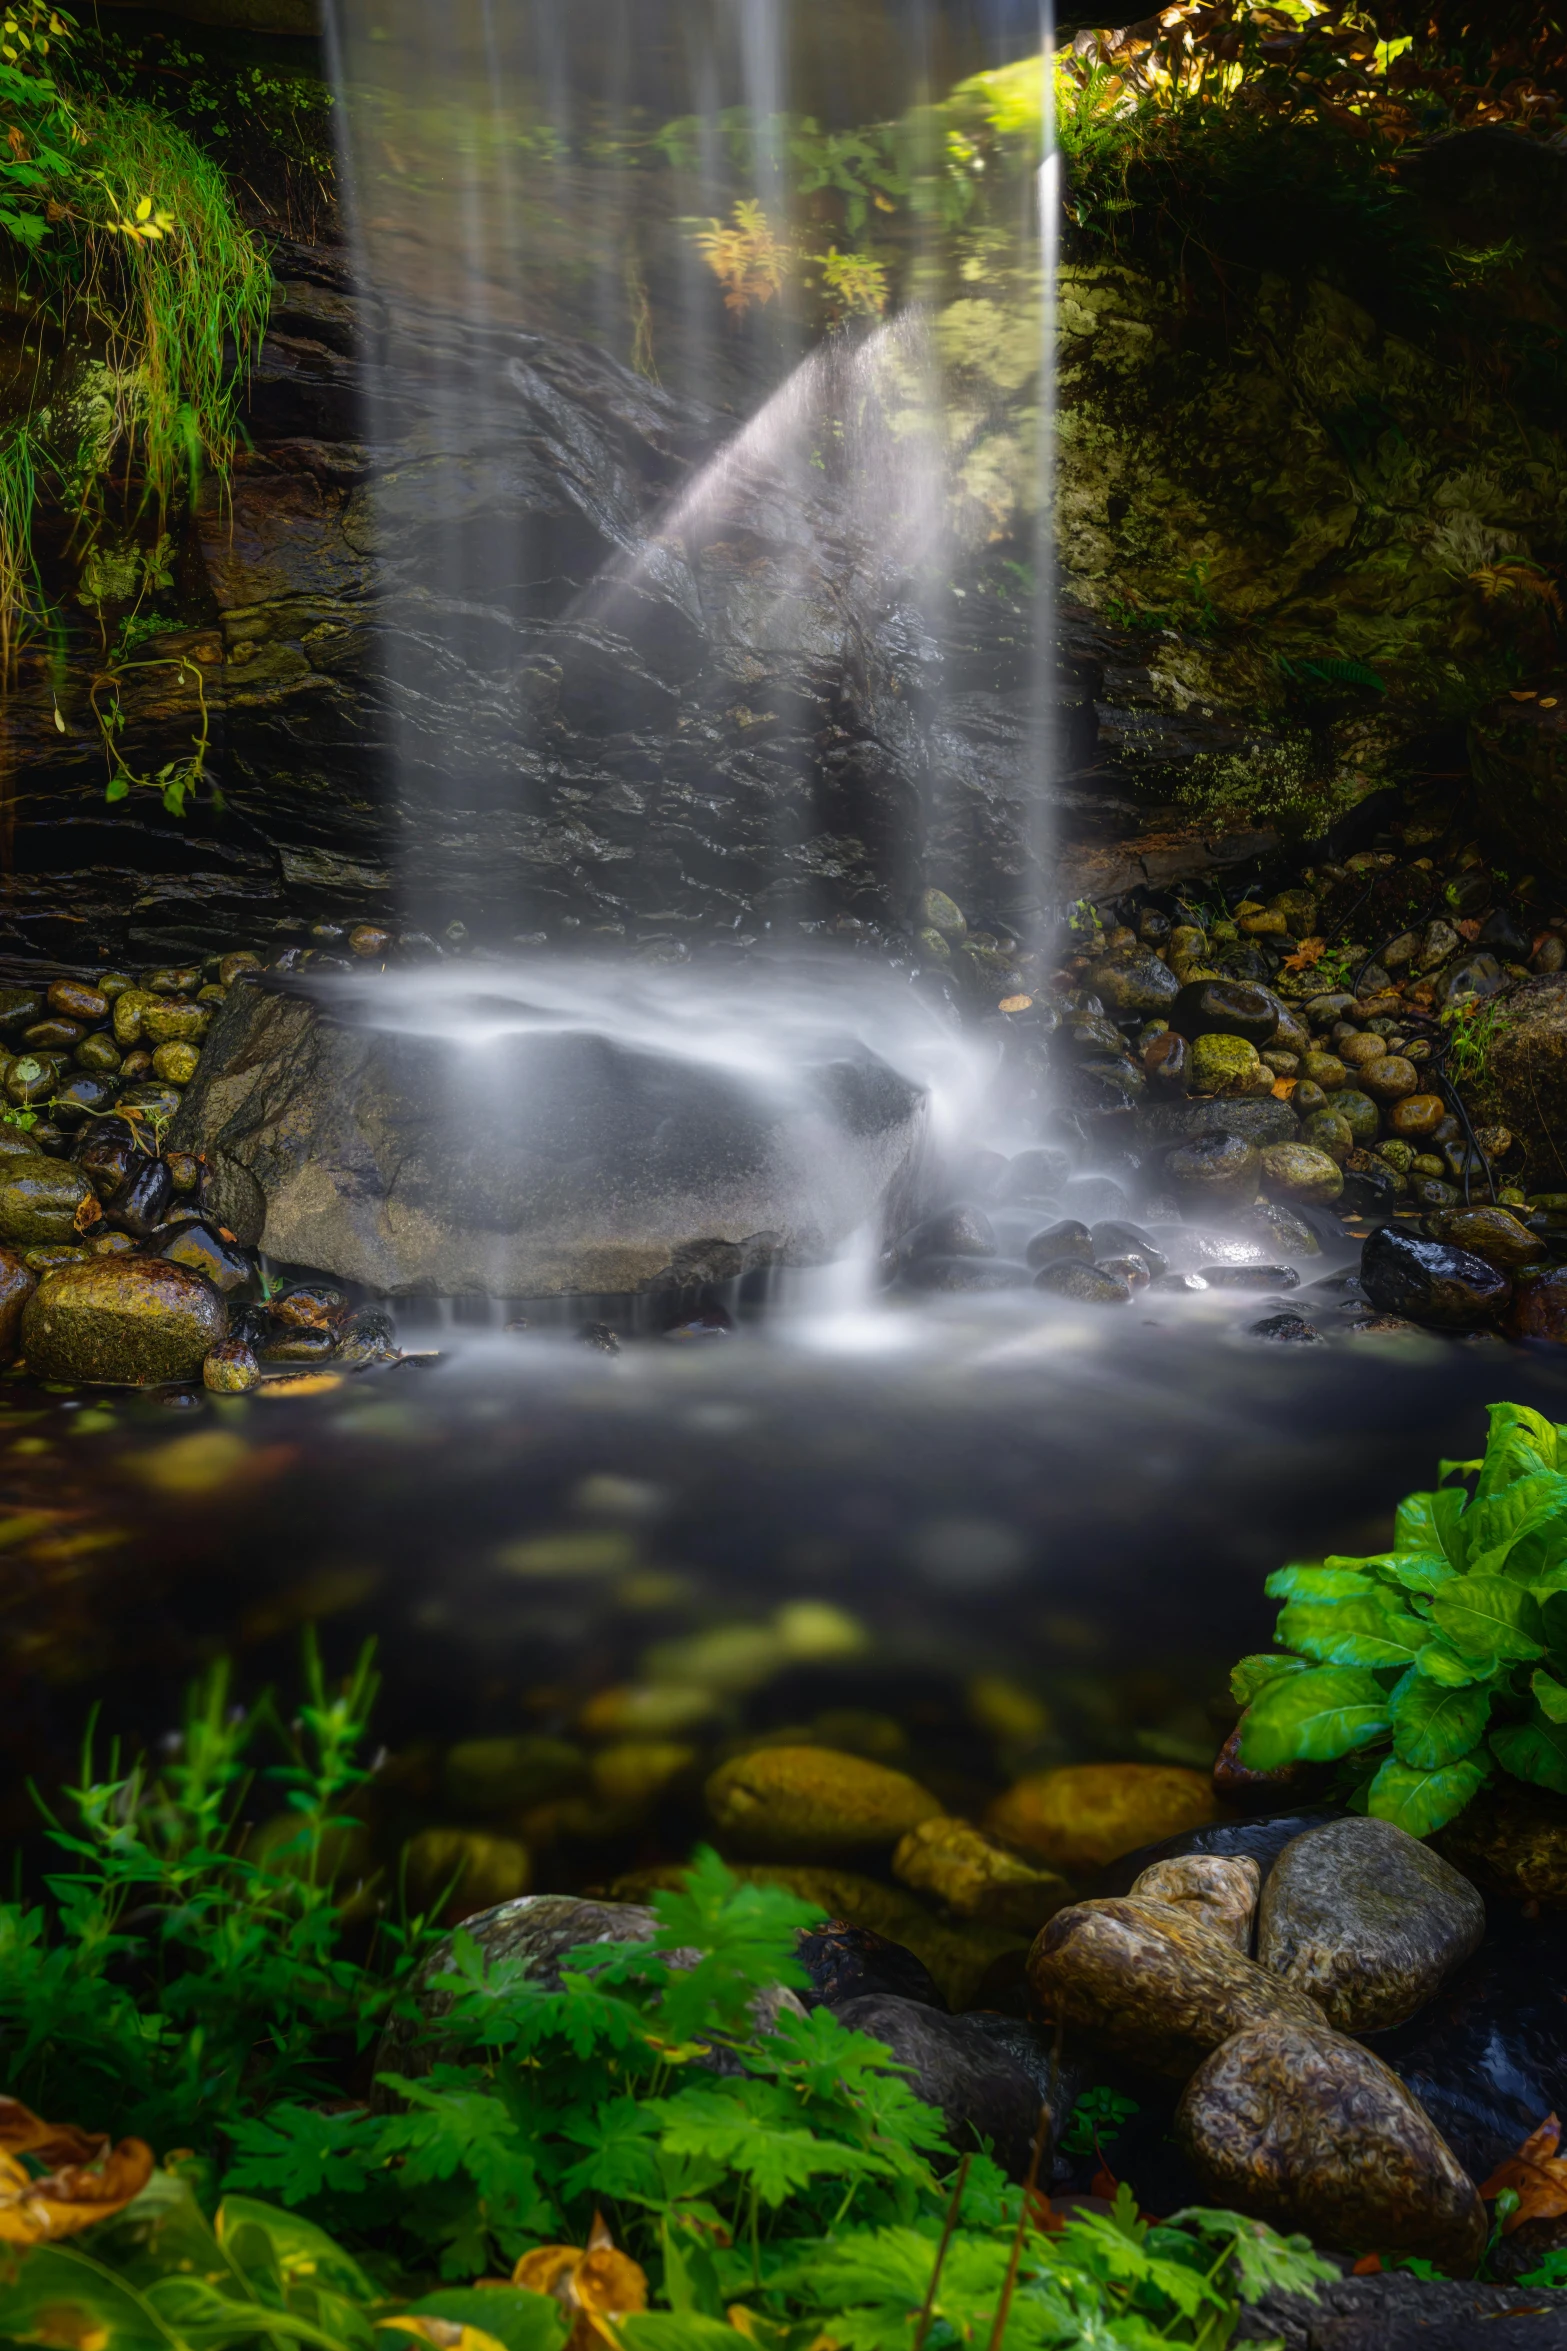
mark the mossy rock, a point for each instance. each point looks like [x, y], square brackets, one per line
[804, 1802]
[1228, 1065]
[39, 1198]
[1082, 1816]
[976, 1876]
[122, 1321]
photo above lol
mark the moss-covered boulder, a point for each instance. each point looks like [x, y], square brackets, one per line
[125, 1321]
[977, 1876]
[39, 1199]
[1229, 1065]
[804, 1802]
[1299, 1172]
[1081, 1816]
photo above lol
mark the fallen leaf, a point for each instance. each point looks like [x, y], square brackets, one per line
[94, 2181]
[1309, 951]
[598, 2283]
[1468, 930]
[22, 2133]
[1537, 2174]
[1015, 1004]
[1283, 1088]
[90, 1213]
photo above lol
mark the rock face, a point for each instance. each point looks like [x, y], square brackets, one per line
[814, 1801]
[125, 1321]
[1302, 2128]
[1152, 1986]
[1528, 1064]
[540, 1162]
[1367, 1921]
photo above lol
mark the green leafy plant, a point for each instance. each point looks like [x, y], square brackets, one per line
[1096, 2121]
[1429, 1667]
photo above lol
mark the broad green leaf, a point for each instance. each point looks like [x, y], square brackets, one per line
[1553, 1615]
[1370, 1632]
[1433, 1726]
[1550, 1694]
[1251, 1676]
[1335, 1580]
[1422, 1801]
[1497, 1525]
[517, 2319]
[63, 2298]
[1535, 1750]
[296, 2246]
[1520, 1440]
[1432, 1522]
[1314, 1717]
[1489, 1616]
[1440, 1662]
[1415, 1571]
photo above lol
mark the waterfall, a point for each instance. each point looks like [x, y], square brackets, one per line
[709, 443]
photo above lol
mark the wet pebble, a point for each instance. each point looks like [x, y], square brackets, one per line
[975, 1875]
[988, 2077]
[126, 1321]
[810, 1801]
[952, 1232]
[1431, 1282]
[1251, 1277]
[967, 1273]
[229, 1368]
[1080, 1816]
[1290, 1330]
[1220, 1891]
[1067, 1240]
[1085, 1285]
[848, 1962]
[40, 1201]
[206, 1252]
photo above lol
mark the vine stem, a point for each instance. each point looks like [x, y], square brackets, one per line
[1009, 2287]
[954, 2207]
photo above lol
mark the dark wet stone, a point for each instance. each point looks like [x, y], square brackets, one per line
[951, 1232]
[184, 1171]
[1539, 1307]
[305, 1345]
[600, 1337]
[1225, 1008]
[1251, 1277]
[1305, 2129]
[1037, 1174]
[1217, 1169]
[1113, 1236]
[1367, 1920]
[846, 1962]
[206, 1252]
[310, 1306]
[1178, 1284]
[1285, 1330]
[1262, 1840]
[80, 1096]
[1107, 1088]
[172, 979]
[141, 1202]
[967, 1273]
[127, 1321]
[1400, 2312]
[50, 1139]
[1094, 1196]
[1476, 974]
[53, 1036]
[79, 1001]
[1068, 1239]
[17, 1284]
[1135, 981]
[1492, 1233]
[370, 1336]
[1431, 1282]
[1370, 1186]
[39, 1201]
[1359, 1113]
[230, 1368]
[1086, 1285]
[989, 2077]
[29, 1078]
[1261, 1121]
[1167, 1062]
[1088, 1034]
[106, 1152]
[152, 1097]
[19, 1008]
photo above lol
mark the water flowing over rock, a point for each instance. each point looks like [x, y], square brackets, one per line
[1307, 2130]
[1367, 1920]
[526, 1157]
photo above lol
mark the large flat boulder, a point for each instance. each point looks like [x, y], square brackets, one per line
[491, 1143]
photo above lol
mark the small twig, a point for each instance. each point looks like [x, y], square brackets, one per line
[954, 2207]
[1004, 2307]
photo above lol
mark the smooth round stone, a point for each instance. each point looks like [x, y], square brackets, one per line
[205, 1252]
[1083, 1815]
[129, 1005]
[19, 1007]
[1359, 1113]
[1325, 1070]
[809, 1801]
[1085, 1285]
[51, 1255]
[172, 979]
[1149, 1984]
[125, 1321]
[53, 1036]
[1367, 1920]
[171, 1021]
[88, 1091]
[1036, 1174]
[1475, 974]
[39, 1200]
[98, 1053]
[1178, 1284]
[110, 1244]
[1131, 1269]
[951, 1232]
[176, 1064]
[1433, 1191]
[1360, 1050]
[1251, 1277]
[17, 1283]
[369, 940]
[1415, 1116]
[987, 2075]
[1369, 1182]
[1431, 1282]
[78, 1000]
[139, 1204]
[973, 1875]
[228, 1369]
[1285, 1330]
[1227, 1065]
[113, 984]
[152, 1097]
[1490, 1233]
[304, 1345]
[1308, 1098]
[937, 912]
[1298, 2126]
[1135, 981]
[1113, 1236]
[1233, 1008]
[1167, 1062]
[1392, 1079]
[136, 1064]
[1217, 1890]
[184, 1170]
[846, 1962]
[1296, 1171]
[310, 1306]
[958, 1274]
[1278, 1227]
[29, 1079]
[1216, 1168]
[1068, 1239]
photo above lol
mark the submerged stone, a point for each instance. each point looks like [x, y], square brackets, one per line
[1080, 1816]
[813, 1800]
[1295, 1171]
[977, 1876]
[1086, 1285]
[1233, 1008]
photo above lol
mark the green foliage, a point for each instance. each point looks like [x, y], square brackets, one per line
[1440, 1660]
[1096, 2121]
[750, 2155]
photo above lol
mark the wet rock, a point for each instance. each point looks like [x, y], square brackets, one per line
[813, 1800]
[1113, 1236]
[1371, 1185]
[1392, 1079]
[78, 1000]
[1539, 1307]
[1261, 1840]
[951, 1232]
[1038, 1174]
[1259, 1122]
[29, 1079]
[1069, 1239]
[17, 1284]
[1250, 1277]
[151, 1097]
[1167, 1063]
[967, 1273]
[53, 1036]
[1492, 1233]
[1149, 1985]
[39, 1201]
[1285, 1330]
[122, 1321]
[1359, 1113]
[1278, 1227]
[988, 2077]
[1362, 1049]
[369, 1337]
[959, 1954]
[453, 1872]
[315, 1306]
[1416, 1116]
[1325, 1070]
[1295, 1171]
[1082, 1815]
[177, 1063]
[1431, 1282]
[1302, 2128]
[1229, 1065]
[207, 1253]
[1085, 1285]
[1512, 1840]
[1230, 1008]
[1215, 1171]
[976, 1876]
[1397, 2311]
[84, 1095]
[562, 1162]
[1475, 974]
[1135, 981]
[1219, 1891]
[1367, 1920]
[847, 1962]
[230, 1368]
[1326, 1132]
[140, 1204]
[100, 1054]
